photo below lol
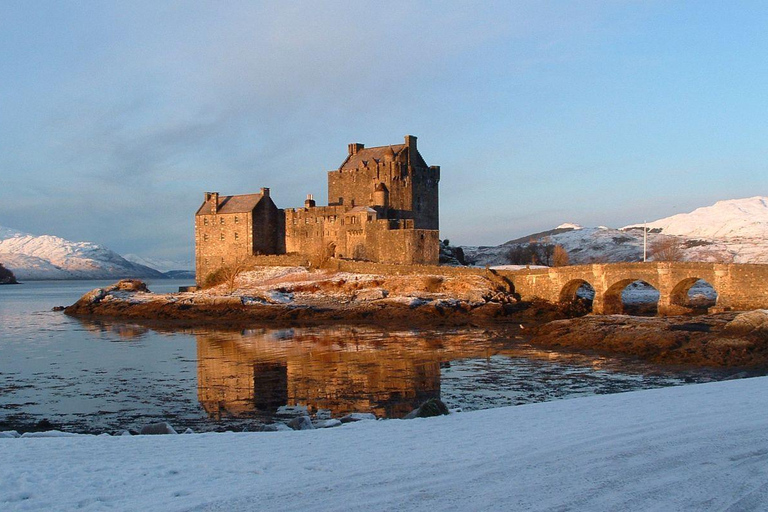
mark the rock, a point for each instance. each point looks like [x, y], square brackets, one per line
[157, 429]
[58, 308]
[372, 294]
[50, 433]
[358, 416]
[189, 431]
[276, 427]
[432, 407]
[754, 323]
[125, 433]
[301, 423]
[9, 434]
[130, 285]
[327, 423]
[94, 296]
[323, 414]
[292, 410]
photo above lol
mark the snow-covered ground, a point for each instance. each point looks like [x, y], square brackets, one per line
[697, 447]
[733, 231]
[51, 257]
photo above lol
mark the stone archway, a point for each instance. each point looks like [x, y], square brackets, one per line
[578, 291]
[631, 297]
[694, 295]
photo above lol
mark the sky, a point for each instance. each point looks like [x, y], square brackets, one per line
[115, 117]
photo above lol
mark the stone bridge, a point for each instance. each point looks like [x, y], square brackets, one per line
[738, 286]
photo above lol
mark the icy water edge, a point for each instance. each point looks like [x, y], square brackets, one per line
[107, 377]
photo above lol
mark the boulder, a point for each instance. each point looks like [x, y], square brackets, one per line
[751, 323]
[157, 429]
[9, 434]
[372, 294]
[358, 416]
[328, 423]
[432, 407]
[130, 285]
[275, 427]
[301, 423]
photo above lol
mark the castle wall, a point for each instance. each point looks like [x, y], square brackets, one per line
[397, 226]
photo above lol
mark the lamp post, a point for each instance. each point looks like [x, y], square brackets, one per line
[645, 241]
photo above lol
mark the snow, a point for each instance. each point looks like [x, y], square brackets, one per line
[735, 231]
[689, 448]
[51, 257]
[731, 219]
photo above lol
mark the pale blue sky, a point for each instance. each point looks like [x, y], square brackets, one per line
[115, 117]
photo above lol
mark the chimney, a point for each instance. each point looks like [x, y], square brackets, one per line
[310, 201]
[213, 197]
[410, 141]
[265, 191]
[355, 147]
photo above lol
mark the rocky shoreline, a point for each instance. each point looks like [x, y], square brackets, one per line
[722, 340]
[290, 297]
[318, 299]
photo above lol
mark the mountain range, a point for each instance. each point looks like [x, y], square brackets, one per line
[731, 231]
[32, 257]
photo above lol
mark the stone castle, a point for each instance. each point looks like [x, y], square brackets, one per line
[382, 207]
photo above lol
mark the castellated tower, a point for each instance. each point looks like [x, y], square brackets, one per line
[411, 185]
[383, 207]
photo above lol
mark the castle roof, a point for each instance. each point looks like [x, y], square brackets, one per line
[233, 204]
[371, 155]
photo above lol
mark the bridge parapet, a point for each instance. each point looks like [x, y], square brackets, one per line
[738, 286]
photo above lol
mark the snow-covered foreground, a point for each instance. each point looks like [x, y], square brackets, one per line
[698, 447]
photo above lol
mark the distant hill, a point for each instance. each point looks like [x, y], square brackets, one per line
[161, 265]
[6, 276]
[32, 257]
[728, 231]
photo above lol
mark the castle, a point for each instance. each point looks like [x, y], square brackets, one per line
[382, 207]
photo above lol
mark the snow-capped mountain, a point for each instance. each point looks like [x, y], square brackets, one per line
[51, 257]
[161, 265]
[733, 231]
[726, 220]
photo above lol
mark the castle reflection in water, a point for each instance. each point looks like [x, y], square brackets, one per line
[253, 373]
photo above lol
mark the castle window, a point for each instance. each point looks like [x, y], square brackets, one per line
[205, 238]
[221, 236]
[221, 220]
[237, 221]
[205, 261]
[237, 236]
[205, 220]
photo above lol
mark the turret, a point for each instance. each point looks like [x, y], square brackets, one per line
[381, 196]
[309, 202]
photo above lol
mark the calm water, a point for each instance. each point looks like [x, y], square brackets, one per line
[95, 377]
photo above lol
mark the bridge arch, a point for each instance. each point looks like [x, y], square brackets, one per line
[577, 289]
[694, 294]
[616, 300]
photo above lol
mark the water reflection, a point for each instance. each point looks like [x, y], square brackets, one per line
[95, 376]
[342, 370]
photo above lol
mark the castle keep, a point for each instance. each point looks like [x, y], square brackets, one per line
[382, 207]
